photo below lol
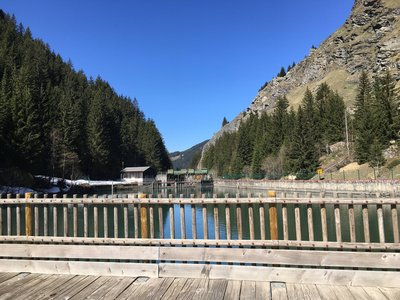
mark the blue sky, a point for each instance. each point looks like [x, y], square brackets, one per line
[188, 62]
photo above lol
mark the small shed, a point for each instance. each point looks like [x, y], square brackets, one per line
[138, 175]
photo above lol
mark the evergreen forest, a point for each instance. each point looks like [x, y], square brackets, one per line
[288, 142]
[55, 121]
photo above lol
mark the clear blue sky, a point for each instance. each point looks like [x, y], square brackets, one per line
[188, 62]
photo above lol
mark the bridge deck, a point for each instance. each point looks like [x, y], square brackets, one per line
[45, 286]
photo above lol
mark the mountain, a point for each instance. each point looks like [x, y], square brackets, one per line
[369, 40]
[55, 121]
[183, 159]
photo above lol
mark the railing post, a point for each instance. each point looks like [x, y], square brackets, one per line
[28, 215]
[273, 217]
[143, 218]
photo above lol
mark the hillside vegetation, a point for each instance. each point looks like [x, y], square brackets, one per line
[289, 142]
[55, 121]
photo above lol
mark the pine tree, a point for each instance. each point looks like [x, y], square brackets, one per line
[224, 122]
[363, 127]
[282, 72]
[385, 109]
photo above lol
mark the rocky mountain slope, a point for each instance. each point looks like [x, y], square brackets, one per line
[182, 159]
[368, 40]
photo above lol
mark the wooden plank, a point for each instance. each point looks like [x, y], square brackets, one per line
[374, 293]
[75, 289]
[214, 290]
[367, 238]
[284, 257]
[105, 221]
[96, 221]
[263, 290]
[233, 290]
[18, 219]
[251, 221]
[325, 292]
[395, 223]
[342, 292]
[352, 224]
[102, 290]
[47, 291]
[79, 267]
[85, 222]
[216, 222]
[126, 293]
[297, 222]
[75, 220]
[45, 220]
[18, 290]
[358, 293]
[92, 287]
[7, 276]
[151, 215]
[294, 291]
[136, 220]
[30, 291]
[239, 221]
[65, 220]
[171, 222]
[182, 221]
[278, 291]
[119, 286]
[381, 228]
[248, 290]
[166, 201]
[189, 289]
[126, 224]
[7, 287]
[202, 242]
[115, 210]
[52, 292]
[160, 222]
[79, 251]
[9, 220]
[338, 226]
[194, 221]
[390, 293]
[174, 289]
[310, 223]
[262, 221]
[149, 289]
[200, 290]
[205, 222]
[289, 275]
[285, 222]
[310, 291]
[324, 224]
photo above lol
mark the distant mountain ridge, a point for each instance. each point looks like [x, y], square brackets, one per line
[182, 159]
[369, 40]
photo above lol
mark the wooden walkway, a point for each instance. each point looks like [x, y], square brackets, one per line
[44, 286]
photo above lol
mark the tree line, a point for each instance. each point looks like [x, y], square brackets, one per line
[56, 121]
[291, 142]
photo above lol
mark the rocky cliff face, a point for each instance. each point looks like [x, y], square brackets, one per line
[368, 40]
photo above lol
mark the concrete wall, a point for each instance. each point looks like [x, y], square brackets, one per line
[367, 186]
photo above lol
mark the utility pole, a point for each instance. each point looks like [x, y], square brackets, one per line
[347, 133]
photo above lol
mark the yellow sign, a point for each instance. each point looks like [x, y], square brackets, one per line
[320, 171]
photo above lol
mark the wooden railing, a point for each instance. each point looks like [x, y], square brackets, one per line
[315, 240]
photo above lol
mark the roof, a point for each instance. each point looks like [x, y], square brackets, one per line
[135, 169]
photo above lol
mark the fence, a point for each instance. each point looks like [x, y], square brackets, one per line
[309, 240]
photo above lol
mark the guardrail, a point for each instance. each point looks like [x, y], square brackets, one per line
[309, 240]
